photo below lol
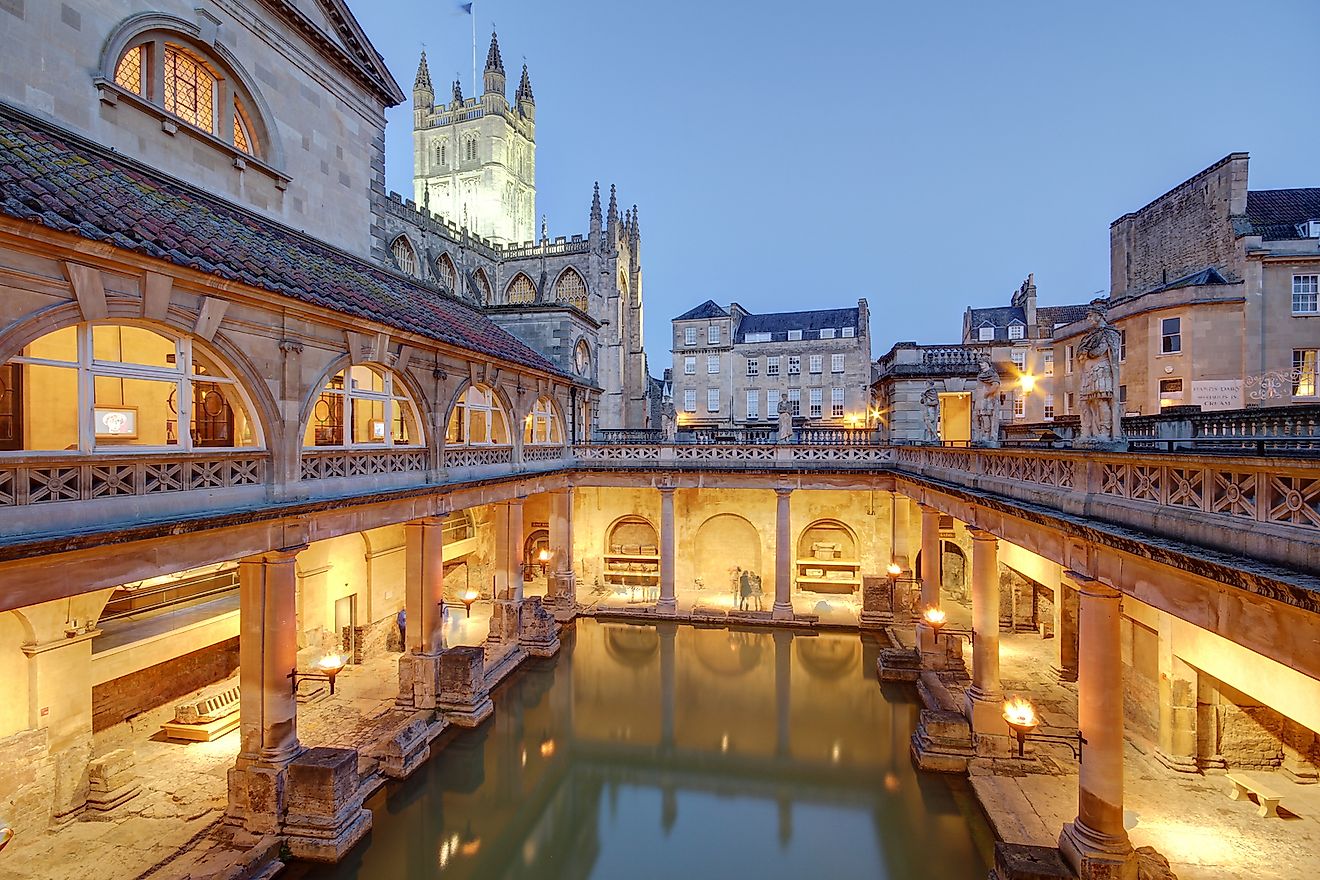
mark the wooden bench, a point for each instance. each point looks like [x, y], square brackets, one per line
[1245, 784]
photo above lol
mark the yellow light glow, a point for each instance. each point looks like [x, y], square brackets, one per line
[1019, 713]
[470, 596]
[544, 555]
[1028, 382]
[894, 570]
[547, 748]
[934, 617]
[332, 662]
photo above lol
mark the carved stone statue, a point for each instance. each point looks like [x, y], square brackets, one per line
[930, 414]
[669, 419]
[987, 405]
[1097, 362]
[785, 415]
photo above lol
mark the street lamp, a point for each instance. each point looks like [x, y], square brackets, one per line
[326, 669]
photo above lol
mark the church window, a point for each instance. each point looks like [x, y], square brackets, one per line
[363, 405]
[404, 255]
[242, 135]
[571, 289]
[445, 272]
[482, 283]
[521, 290]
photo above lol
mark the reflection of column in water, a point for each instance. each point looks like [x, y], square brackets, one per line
[668, 808]
[785, 805]
[783, 691]
[667, 632]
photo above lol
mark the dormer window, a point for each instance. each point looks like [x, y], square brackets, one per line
[794, 335]
[1016, 331]
[986, 333]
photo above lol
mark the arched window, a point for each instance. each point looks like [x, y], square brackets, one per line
[103, 387]
[193, 87]
[520, 291]
[571, 289]
[478, 419]
[542, 427]
[445, 271]
[364, 405]
[404, 255]
[483, 290]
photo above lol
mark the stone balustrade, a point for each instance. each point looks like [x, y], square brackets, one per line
[42, 479]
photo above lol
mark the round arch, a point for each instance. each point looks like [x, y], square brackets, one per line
[479, 415]
[828, 531]
[726, 545]
[544, 424]
[631, 531]
[136, 28]
[399, 415]
[584, 360]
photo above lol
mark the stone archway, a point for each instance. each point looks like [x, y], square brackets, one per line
[726, 543]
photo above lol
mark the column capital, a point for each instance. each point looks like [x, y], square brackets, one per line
[783, 491]
[979, 534]
[927, 509]
[1089, 586]
[274, 557]
[666, 490]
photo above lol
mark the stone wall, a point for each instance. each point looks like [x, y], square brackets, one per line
[27, 780]
[118, 700]
[375, 638]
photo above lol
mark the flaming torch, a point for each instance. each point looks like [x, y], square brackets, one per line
[1021, 718]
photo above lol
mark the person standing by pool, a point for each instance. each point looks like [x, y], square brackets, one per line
[744, 589]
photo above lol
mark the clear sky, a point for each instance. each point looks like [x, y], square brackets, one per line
[924, 155]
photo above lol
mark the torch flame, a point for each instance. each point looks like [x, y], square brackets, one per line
[894, 570]
[934, 616]
[332, 662]
[470, 596]
[1019, 712]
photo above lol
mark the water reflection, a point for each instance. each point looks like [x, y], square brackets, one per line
[667, 751]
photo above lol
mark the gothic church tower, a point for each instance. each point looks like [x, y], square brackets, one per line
[474, 159]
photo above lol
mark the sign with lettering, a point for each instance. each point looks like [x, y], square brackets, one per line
[1214, 394]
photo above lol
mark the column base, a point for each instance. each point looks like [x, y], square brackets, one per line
[463, 697]
[325, 815]
[257, 796]
[1096, 856]
[1177, 763]
[782, 611]
[942, 742]
[538, 633]
[666, 607]
[985, 712]
[1065, 673]
[505, 621]
[406, 747]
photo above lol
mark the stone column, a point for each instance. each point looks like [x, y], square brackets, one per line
[561, 586]
[783, 691]
[1067, 632]
[668, 603]
[931, 565]
[985, 698]
[508, 550]
[1095, 844]
[424, 585]
[783, 607]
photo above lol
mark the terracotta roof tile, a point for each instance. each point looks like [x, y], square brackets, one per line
[63, 182]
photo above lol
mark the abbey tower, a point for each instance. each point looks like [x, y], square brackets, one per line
[474, 159]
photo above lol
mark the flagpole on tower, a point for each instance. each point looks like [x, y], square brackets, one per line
[473, 13]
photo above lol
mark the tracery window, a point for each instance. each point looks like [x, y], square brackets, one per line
[542, 426]
[99, 387]
[445, 271]
[571, 289]
[363, 405]
[404, 255]
[484, 292]
[478, 419]
[193, 88]
[521, 290]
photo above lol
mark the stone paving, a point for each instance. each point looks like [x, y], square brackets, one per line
[173, 829]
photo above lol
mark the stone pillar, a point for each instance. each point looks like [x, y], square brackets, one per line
[561, 586]
[1095, 844]
[668, 603]
[783, 607]
[985, 699]
[931, 565]
[509, 550]
[424, 585]
[1177, 735]
[783, 691]
[1067, 634]
[267, 653]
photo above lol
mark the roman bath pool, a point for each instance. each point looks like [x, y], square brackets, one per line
[671, 751]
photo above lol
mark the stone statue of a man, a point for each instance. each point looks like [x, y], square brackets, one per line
[669, 419]
[1097, 362]
[930, 414]
[785, 416]
[987, 405]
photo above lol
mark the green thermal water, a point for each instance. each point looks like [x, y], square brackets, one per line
[658, 752]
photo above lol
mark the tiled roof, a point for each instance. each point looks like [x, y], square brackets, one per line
[1275, 213]
[777, 324]
[708, 309]
[1047, 317]
[1050, 317]
[54, 178]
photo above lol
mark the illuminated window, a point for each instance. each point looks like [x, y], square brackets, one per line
[542, 427]
[189, 89]
[520, 291]
[404, 255]
[689, 400]
[571, 289]
[363, 405]
[1303, 375]
[128, 73]
[1306, 294]
[478, 419]
[446, 272]
[104, 387]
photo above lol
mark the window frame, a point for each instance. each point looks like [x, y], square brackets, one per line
[772, 365]
[712, 365]
[1017, 331]
[753, 402]
[713, 334]
[794, 365]
[815, 364]
[388, 397]
[753, 366]
[689, 400]
[837, 363]
[815, 402]
[689, 336]
[1313, 294]
[543, 416]
[795, 401]
[1304, 375]
[1166, 336]
[836, 403]
[462, 405]
[712, 400]
[690, 365]
[985, 334]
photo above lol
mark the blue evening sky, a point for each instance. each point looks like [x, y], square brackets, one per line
[923, 155]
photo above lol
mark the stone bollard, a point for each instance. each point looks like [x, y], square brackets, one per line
[325, 817]
[405, 748]
[419, 681]
[112, 780]
[877, 611]
[463, 697]
[538, 632]
[505, 616]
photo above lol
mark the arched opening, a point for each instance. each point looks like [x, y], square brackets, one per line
[445, 272]
[828, 558]
[521, 291]
[478, 419]
[727, 557]
[542, 426]
[363, 405]
[535, 548]
[404, 255]
[98, 387]
[571, 289]
[632, 557]
[483, 290]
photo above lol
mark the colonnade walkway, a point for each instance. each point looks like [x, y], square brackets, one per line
[1187, 818]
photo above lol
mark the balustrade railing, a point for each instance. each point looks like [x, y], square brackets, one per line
[321, 464]
[477, 456]
[46, 479]
[543, 453]
[1260, 430]
[733, 455]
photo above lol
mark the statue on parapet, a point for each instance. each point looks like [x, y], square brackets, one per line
[987, 405]
[1097, 362]
[785, 415]
[669, 419]
[930, 414]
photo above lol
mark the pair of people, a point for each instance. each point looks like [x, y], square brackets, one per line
[749, 589]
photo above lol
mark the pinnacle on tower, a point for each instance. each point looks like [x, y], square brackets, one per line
[613, 215]
[525, 88]
[423, 80]
[595, 203]
[493, 60]
[458, 91]
[636, 226]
